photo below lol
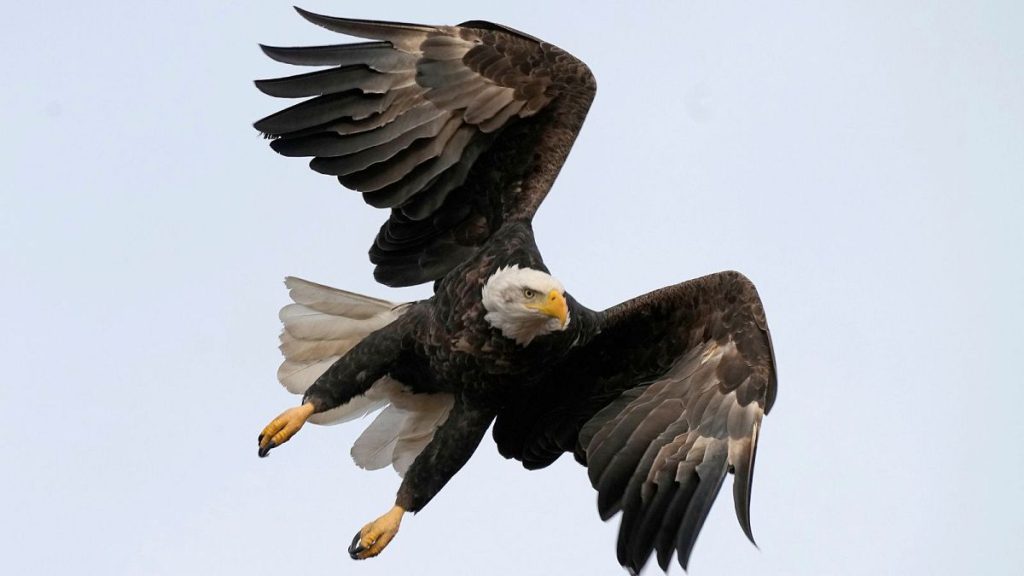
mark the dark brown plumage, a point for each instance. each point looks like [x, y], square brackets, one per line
[457, 131]
[659, 405]
[460, 132]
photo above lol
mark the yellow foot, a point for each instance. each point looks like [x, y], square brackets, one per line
[283, 427]
[376, 535]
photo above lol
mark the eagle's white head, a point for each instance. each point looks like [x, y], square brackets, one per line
[524, 303]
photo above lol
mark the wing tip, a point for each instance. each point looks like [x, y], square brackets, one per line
[311, 16]
[268, 50]
[748, 531]
[743, 481]
[332, 23]
[741, 499]
[266, 86]
[265, 126]
[282, 54]
[361, 28]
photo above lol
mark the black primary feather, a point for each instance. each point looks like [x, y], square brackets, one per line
[426, 116]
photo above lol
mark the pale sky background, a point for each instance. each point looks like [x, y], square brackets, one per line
[862, 162]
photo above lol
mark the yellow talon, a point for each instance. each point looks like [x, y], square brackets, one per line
[375, 536]
[282, 428]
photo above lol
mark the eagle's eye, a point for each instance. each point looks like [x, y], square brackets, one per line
[528, 293]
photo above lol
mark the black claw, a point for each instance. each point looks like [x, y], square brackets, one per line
[260, 439]
[264, 450]
[356, 547]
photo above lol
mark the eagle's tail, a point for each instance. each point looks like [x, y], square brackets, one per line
[321, 326]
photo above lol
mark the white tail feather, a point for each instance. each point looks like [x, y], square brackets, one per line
[403, 429]
[319, 328]
[307, 323]
[355, 408]
[375, 447]
[333, 301]
[322, 326]
[297, 377]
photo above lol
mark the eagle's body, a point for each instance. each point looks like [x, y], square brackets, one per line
[461, 131]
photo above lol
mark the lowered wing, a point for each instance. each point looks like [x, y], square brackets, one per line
[659, 406]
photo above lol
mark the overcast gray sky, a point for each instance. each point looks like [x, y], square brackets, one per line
[862, 162]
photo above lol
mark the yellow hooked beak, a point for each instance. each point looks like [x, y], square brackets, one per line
[555, 306]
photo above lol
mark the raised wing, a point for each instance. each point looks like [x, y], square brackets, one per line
[659, 406]
[456, 129]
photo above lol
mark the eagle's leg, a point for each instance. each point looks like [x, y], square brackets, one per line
[350, 376]
[282, 428]
[450, 448]
[376, 535]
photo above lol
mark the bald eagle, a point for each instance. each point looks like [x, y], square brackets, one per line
[460, 132]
